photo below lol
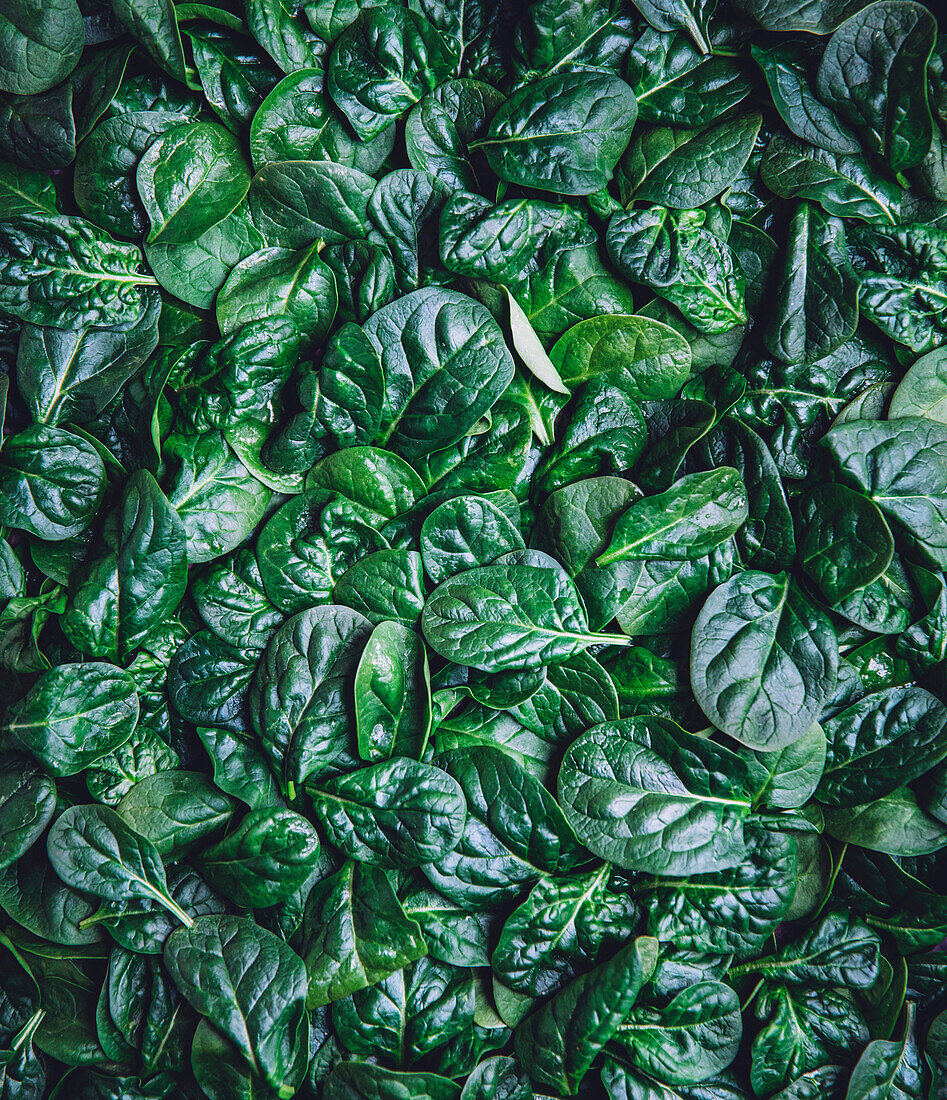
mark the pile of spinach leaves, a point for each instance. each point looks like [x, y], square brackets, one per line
[473, 585]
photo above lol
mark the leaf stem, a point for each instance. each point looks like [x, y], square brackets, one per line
[26, 1033]
[830, 885]
[746, 1004]
[611, 639]
[172, 906]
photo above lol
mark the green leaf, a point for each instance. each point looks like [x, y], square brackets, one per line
[696, 514]
[175, 810]
[33, 895]
[873, 73]
[72, 375]
[27, 804]
[515, 832]
[763, 660]
[300, 699]
[777, 15]
[399, 813]
[881, 742]
[793, 773]
[240, 768]
[51, 482]
[732, 910]
[627, 787]
[382, 65]
[248, 983]
[509, 616]
[190, 179]
[387, 585]
[270, 855]
[380, 483]
[696, 1036]
[279, 28]
[274, 282]
[63, 271]
[425, 405]
[497, 1079]
[363, 1081]
[558, 1043]
[232, 601]
[195, 271]
[154, 24]
[74, 715]
[786, 70]
[104, 182]
[440, 129]
[679, 258]
[902, 285]
[405, 208]
[923, 390]
[889, 1069]
[678, 85]
[453, 934]
[39, 45]
[92, 849]
[297, 202]
[803, 1030]
[355, 933]
[845, 542]
[420, 1009]
[565, 926]
[310, 543]
[562, 133]
[392, 694]
[687, 15]
[687, 168]
[817, 293]
[25, 191]
[218, 499]
[899, 465]
[840, 951]
[117, 601]
[845, 185]
[894, 824]
[208, 680]
[576, 525]
[463, 533]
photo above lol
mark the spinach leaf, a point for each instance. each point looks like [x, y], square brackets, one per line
[300, 697]
[562, 133]
[92, 849]
[39, 47]
[678, 257]
[898, 465]
[73, 715]
[763, 660]
[355, 933]
[558, 1043]
[27, 804]
[190, 179]
[268, 857]
[565, 925]
[398, 813]
[51, 482]
[878, 96]
[509, 616]
[627, 787]
[698, 513]
[690, 1040]
[249, 984]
